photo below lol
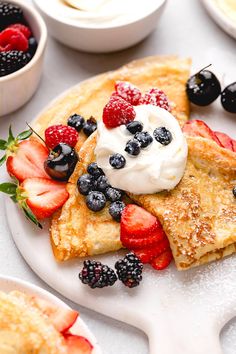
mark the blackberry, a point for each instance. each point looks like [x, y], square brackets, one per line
[85, 184]
[10, 13]
[162, 135]
[90, 126]
[33, 44]
[133, 147]
[129, 270]
[102, 183]
[117, 161]
[95, 201]
[115, 209]
[144, 138]
[113, 194]
[76, 121]
[234, 191]
[94, 170]
[97, 275]
[134, 127]
[12, 61]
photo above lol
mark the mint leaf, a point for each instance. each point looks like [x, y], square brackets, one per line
[24, 135]
[10, 137]
[13, 197]
[8, 188]
[3, 144]
[29, 214]
[3, 159]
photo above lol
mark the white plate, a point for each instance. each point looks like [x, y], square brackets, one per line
[8, 284]
[220, 17]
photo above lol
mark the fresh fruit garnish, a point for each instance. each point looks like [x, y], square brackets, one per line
[76, 121]
[9, 13]
[24, 157]
[134, 127]
[33, 44]
[95, 200]
[117, 112]
[129, 270]
[128, 92]
[56, 134]
[11, 61]
[156, 97]
[5, 49]
[113, 194]
[25, 30]
[234, 144]
[116, 209]
[94, 170]
[228, 98]
[144, 138]
[162, 136]
[203, 87]
[90, 126]
[77, 344]
[85, 184]
[225, 140]
[97, 275]
[139, 242]
[133, 147]
[147, 254]
[162, 261]
[102, 183]
[61, 162]
[14, 38]
[199, 128]
[117, 161]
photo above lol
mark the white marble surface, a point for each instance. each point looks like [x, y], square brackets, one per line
[184, 29]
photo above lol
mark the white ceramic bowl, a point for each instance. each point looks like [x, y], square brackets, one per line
[17, 88]
[100, 39]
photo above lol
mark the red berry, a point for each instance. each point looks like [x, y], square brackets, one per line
[128, 92]
[199, 128]
[56, 134]
[156, 97]
[162, 261]
[117, 111]
[6, 48]
[225, 140]
[21, 28]
[15, 38]
[142, 242]
[147, 254]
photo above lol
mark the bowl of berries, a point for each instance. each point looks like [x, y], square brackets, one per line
[23, 37]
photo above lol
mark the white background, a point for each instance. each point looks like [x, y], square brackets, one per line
[184, 29]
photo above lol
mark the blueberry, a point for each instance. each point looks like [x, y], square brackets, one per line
[117, 161]
[102, 183]
[116, 209]
[94, 170]
[228, 98]
[76, 121]
[134, 127]
[90, 126]
[234, 191]
[163, 135]
[113, 194]
[95, 201]
[133, 147]
[85, 184]
[144, 138]
[33, 44]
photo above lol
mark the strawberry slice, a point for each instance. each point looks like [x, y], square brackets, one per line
[200, 128]
[162, 261]
[147, 254]
[141, 242]
[234, 145]
[78, 344]
[43, 196]
[27, 160]
[225, 140]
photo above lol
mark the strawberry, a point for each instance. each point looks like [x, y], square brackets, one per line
[147, 254]
[78, 344]
[128, 92]
[225, 140]
[56, 134]
[21, 28]
[234, 145]
[14, 38]
[117, 112]
[156, 97]
[140, 242]
[162, 261]
[200, 128]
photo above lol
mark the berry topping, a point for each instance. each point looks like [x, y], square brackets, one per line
[95, 201]
[234, 191]
[14, 38]
[144, 138]
[113, 194]
[128, 92]
[94, 170]
[116, 209]
[117, 112]
[147, 254]
[90, 126]
[76, 121]
[129, 270]
[12, 61]
[225, 140]
[56, 134]
[203, 88]
[134, 127]
[85, 184]
[117, 161]
[199, 128]
[102, 183]
[9, 13]
[33, 44]
[77, 344]
[133, 147]
[61, 162]
[162, 135]
[21, 28]
[162, 261]
[97, 275]
[156, 97]
[228, 98]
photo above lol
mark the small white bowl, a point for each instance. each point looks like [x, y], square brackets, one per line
[17, 88]
[102, 39]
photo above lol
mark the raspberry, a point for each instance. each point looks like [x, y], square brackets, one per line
[14, 38]
[117, 111]
[6, 48]
[56, 134]
[128, 92]
[22, 28]
[156, 97]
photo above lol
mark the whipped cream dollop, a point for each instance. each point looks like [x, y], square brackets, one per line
[158, 167]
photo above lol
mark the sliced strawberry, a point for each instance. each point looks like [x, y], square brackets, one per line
[44, 196]
[140, 242]
[234, 145]
[27, 160]
[62, 318]
[162, 261]
[200, 128]
[78, 344]
[147, 254]
[225, 140]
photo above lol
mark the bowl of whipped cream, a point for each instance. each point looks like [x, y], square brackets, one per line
[100, 26]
